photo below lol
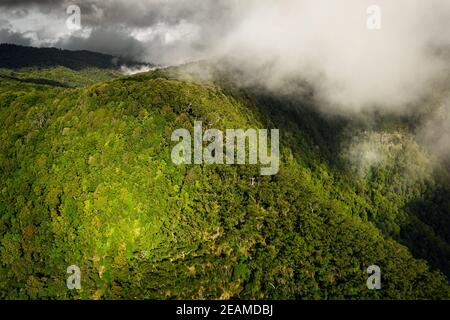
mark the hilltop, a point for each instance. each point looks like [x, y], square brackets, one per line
[87, 179]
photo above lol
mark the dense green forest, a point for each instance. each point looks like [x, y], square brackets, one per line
[19, 57]
[87, 179]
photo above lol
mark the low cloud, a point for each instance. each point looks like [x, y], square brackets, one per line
[435, 132]
[105, 40]
[8, 36]
[278, 44]
[159, 31]
[328, 44]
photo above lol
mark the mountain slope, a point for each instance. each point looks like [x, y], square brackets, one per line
[62, 68]
[87, 179]
[19, 57]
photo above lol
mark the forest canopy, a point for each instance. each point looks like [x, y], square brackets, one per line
[87, 179]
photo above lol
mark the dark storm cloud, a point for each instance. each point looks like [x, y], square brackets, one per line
[136, 13]
[212, 16]
[8, 36]
[45, 6]
[18, 3]
[323, 40]
[115, 41]
[113, 21]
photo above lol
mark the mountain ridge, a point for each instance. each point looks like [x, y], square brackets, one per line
[87, 178]
[16, 57]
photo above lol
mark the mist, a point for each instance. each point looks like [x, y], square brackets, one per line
[329, 45]
[400, 68]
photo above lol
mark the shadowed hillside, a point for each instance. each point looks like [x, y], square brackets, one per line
[87, 179]
[17, 57]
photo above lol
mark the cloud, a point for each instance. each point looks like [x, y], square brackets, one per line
[323, 42]
[21, 3]
[177, 30]
[435, 132]
[328, 44]
[115, 41]
[8, 36]
[277, 44]
[130, 71]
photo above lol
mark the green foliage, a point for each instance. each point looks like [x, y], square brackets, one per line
[60, 76]
[19, 57]
[87, 179]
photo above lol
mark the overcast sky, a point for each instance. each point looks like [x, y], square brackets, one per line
[174, 31]
[351, 67]
[325, 41]
[162, 31]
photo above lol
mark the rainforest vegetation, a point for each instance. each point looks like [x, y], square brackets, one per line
[86, 179]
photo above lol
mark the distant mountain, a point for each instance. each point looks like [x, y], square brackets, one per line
[16, 57]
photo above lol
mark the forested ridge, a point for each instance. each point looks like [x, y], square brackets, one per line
[19, 57]
[87, 179]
